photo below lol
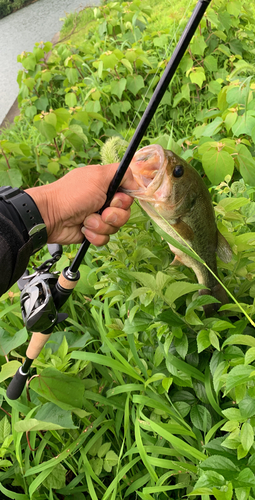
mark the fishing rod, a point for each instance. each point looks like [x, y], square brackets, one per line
[43, 294]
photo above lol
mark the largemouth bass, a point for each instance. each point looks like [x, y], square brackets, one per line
[173, 189]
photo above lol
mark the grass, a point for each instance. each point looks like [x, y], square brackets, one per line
[76, 25]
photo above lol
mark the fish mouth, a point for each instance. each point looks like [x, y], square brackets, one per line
[148, 168]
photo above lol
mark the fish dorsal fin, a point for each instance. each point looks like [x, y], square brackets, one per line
[223, 251]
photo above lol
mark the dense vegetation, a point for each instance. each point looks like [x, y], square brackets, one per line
[139, 395]
[9, 6]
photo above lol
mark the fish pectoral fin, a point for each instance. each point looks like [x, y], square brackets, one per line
[223, 251]
[183, 230]
[176, 262]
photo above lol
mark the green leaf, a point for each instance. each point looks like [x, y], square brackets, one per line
[203, 340]
[177, 98]
[213, 127]
[11, 177]
[14, 148]
[106, 361]
[97, 465]
[221, 465]
[243, 125]
[166, 384]
[197, 76]
[214, 340]
[186, 91]
[238, 375]
[45, 128]
[145, 279]
[232, 414]
[226, 494]
[245, 478]
[245, 241]
[9, 369]
[234, 8]
[178, 289]
[96, 446]
[247, 407]
[104, 449]
[135, 83]
[109, 60]
[63, 390]
[201, 418]
[118, 87]
[116, 108]
[32, 424]
[230, 120]
[241, 453]
[42, 103]
[87, 280]
[224, 49]
[10, 342]
[51, 118]
[247, 340]
[46, 76]
[181, 345]
[217, 164]
[97, 116]
[5, 429]
[211, 63]
[209, 479]
[220, 34]
[12, 494]
[225, 19]
[214, 87]
[110, 460]
[246, 164]
[72, 75]
[178, 444]
[71, 99]
[127, 64]
[247, 436]
[198, 45]
[29, 62]
[230, 204]
[186, 368]
[53, 167]
[50, 412]
[56, 479]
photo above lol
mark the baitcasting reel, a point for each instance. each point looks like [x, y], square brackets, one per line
[38, 308]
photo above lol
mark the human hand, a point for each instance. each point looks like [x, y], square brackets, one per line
[68, 205]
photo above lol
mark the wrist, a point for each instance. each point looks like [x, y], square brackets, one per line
[29, 214]
[43, 198]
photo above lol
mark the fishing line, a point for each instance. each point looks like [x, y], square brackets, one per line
[167, 50]
[207, 267]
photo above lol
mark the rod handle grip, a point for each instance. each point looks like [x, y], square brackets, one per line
[17, 384]
[64, 287]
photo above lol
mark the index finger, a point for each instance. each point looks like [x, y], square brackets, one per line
[128, 181]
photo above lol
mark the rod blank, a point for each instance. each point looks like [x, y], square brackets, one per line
[163, 83]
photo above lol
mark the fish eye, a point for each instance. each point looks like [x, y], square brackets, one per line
[178, 171]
